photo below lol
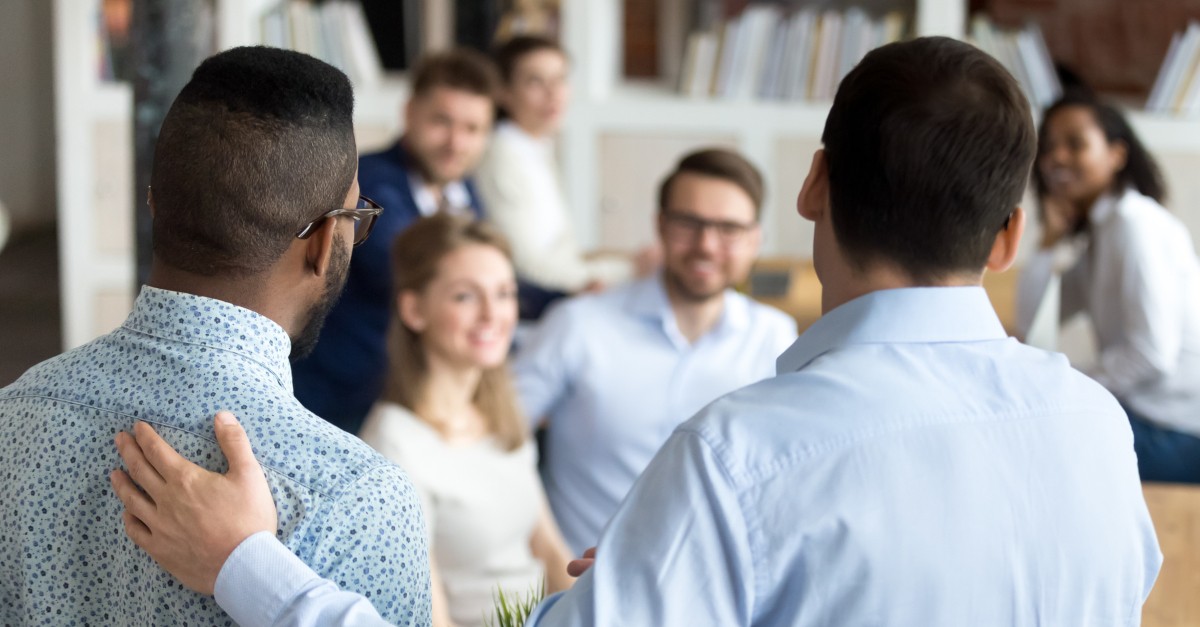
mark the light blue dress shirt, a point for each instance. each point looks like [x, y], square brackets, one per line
[177, 359]
[910, 465]
[612, 376]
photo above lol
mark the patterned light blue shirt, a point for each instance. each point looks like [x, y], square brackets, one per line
[178, 358]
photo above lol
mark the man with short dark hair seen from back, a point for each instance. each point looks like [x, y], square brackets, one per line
[256, 208]
[447, 123]
[909, 464]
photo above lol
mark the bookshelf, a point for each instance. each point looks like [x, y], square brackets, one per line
[620, 138]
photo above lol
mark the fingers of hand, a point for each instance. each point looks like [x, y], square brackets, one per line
[577, 567]
[166, 462]
[137, 531]
[142, 472]
[135, 502]
[236, 445]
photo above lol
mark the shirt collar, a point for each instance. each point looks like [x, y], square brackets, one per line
[201, 321]
[455, 193]
[648, 299]
[1104, 207]
[923, 315]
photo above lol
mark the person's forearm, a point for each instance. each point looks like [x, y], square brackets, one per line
[263, 584]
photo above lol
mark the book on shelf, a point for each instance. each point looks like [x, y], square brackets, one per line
[334, 31]
[1176, 89]
[769, 52]
[829, 36]
[801, 45]
[114, 51]
[1024, 54]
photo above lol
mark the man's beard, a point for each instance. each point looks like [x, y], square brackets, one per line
[335, 281]
[686, 292]
[425, 169]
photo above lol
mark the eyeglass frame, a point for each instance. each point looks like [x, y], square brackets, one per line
[728, 232]
[370, 213]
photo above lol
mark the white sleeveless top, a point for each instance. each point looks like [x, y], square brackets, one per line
[481, 505]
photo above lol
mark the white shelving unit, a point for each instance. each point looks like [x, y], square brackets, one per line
[619, 139]
[94, 128]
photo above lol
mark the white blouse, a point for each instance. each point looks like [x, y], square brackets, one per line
[1138, 279]
[522, 197]
[481, 505]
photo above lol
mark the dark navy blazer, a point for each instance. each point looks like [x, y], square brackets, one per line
[344, 375]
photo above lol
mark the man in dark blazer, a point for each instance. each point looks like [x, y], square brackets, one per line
[447, 122]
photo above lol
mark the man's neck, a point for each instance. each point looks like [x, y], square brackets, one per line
[251, 293]
[837, 291]
[695, 317]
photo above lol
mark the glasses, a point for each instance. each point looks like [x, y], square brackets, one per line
[680, 226]
[364, 216]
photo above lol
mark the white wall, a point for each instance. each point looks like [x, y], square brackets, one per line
[27, 163]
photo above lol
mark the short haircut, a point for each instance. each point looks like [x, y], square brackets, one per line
[259, 143]
[718, 163]
[461, 69]
[929, 144]
[509, 54]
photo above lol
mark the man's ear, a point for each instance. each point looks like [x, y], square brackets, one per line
[814, 194]
[1004, 248]
[408, 306]
[318, 250]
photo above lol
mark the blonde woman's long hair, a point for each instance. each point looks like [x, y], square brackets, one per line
[416, 255]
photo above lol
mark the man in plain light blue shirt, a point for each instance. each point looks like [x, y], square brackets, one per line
[909, 465]
[611, 375]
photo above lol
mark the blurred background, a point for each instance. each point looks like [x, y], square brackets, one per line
[85, 83]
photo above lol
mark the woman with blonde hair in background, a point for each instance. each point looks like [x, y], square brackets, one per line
[449, 417]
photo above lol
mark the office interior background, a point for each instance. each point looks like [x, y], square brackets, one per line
[84, 81]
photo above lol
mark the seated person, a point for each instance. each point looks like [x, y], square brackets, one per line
[254, 202]
[447, 121]
[1139, 280]
[450, 419]
[909, 465]
[611, 375]
[519, 181]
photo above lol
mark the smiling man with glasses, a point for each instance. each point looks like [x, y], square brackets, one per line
[611, 375]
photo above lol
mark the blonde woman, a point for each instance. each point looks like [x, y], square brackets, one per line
[450, 418]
